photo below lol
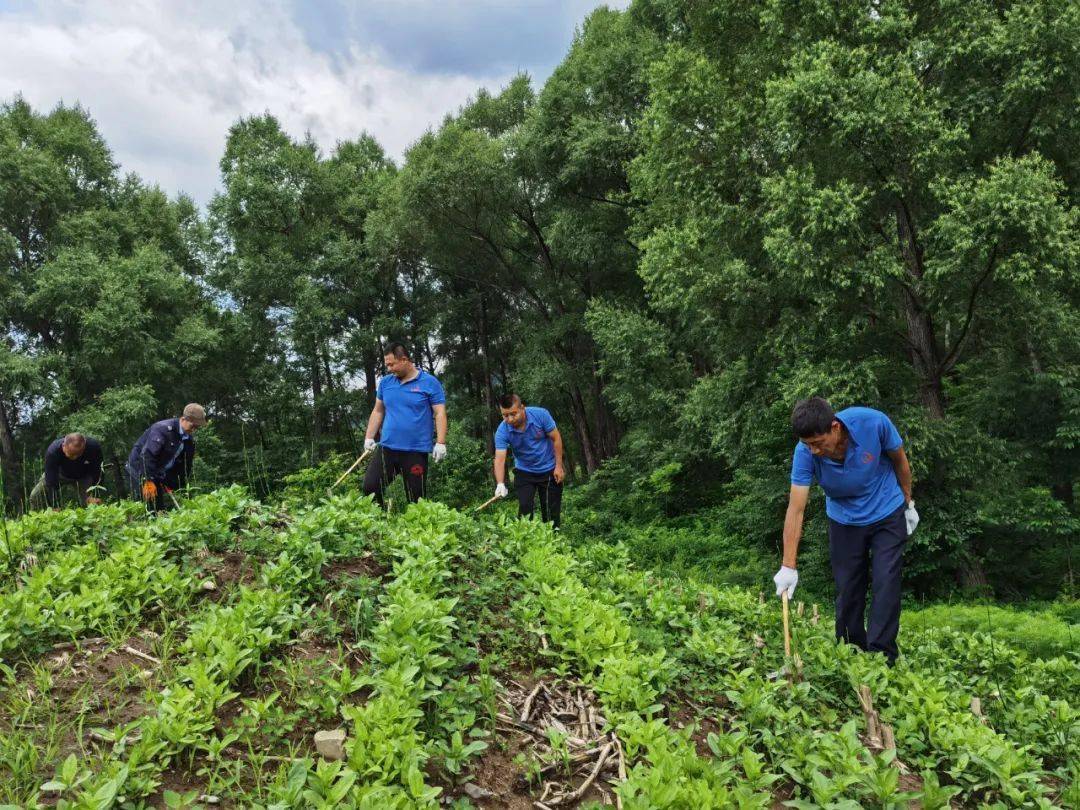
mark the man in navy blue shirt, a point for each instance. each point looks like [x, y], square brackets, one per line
[410, 407]
[73, 459]
[162, 458]
[858, 458]
[538, 458]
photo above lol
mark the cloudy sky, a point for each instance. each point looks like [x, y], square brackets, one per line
[164, 80]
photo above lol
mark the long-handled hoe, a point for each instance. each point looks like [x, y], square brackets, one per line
[344, 475]
[794, 662]
[486, 504]
[792, 668]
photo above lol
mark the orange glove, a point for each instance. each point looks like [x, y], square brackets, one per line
[149, 491]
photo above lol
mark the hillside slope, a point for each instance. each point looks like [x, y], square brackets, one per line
[189, 660]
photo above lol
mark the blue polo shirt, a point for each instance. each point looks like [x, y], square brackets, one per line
[534, 452]
[861, 489]
[409, 423]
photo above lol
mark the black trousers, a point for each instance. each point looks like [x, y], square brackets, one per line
[161, 503]
[528, 485]
[868, 555]
[387, 464]
[41, 496]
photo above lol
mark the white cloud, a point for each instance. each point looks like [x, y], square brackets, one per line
[165, 81]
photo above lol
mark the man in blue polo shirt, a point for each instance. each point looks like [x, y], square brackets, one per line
[858, 458]
[538, 458]
[410, 406]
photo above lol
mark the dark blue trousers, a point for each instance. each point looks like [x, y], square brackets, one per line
[868, 555]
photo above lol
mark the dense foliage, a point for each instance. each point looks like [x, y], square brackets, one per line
[706, 212]
[227, 632]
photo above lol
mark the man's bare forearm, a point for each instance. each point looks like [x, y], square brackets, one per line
[374, 422]
[903, 472]
[440, 426]
[793, 526]
[903, 476]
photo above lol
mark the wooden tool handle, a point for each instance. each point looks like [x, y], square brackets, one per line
[787, 626]
[355, 464]
[486, 503]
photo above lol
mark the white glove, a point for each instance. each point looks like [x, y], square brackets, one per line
[501, 491]
[439, 453]
[369, 445]
[911, 517]
[786, 579]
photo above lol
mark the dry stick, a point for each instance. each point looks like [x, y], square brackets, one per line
[583, 717]
[583, 788]
[345, 474]
[622, 768]
[544, 795]
[576, 759]
[529, 727]
[529, 701]
[140, 654]
[85, 642]
[873, 721]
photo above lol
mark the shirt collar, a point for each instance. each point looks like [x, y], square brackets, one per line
[524, 427]
[853, 432]
[180, 427]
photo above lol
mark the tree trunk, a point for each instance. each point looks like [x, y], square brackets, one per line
[485, 368]
[925, 355]
[607, 430]
[973, 575]
[1063, 491]
[580, 418]
[7, 451]
[370, 377]
[316, 410]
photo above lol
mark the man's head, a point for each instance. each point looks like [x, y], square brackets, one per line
[73, 445]
[815, 424]
[513, 410]
[398, 362]
[194, 417]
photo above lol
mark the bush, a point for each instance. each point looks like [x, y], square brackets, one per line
[1043, 633]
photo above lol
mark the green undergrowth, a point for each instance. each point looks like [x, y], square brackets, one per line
[1043, 632]
[398, 628]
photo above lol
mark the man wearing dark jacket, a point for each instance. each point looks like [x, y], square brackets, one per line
[161, 459]
[73, 459]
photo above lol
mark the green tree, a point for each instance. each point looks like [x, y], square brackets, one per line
[102, 312]
[869, 203]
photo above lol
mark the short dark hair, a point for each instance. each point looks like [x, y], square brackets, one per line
[398, 350]
[509, 400]
[811, 417]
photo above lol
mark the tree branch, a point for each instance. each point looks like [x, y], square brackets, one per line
[950, 359]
